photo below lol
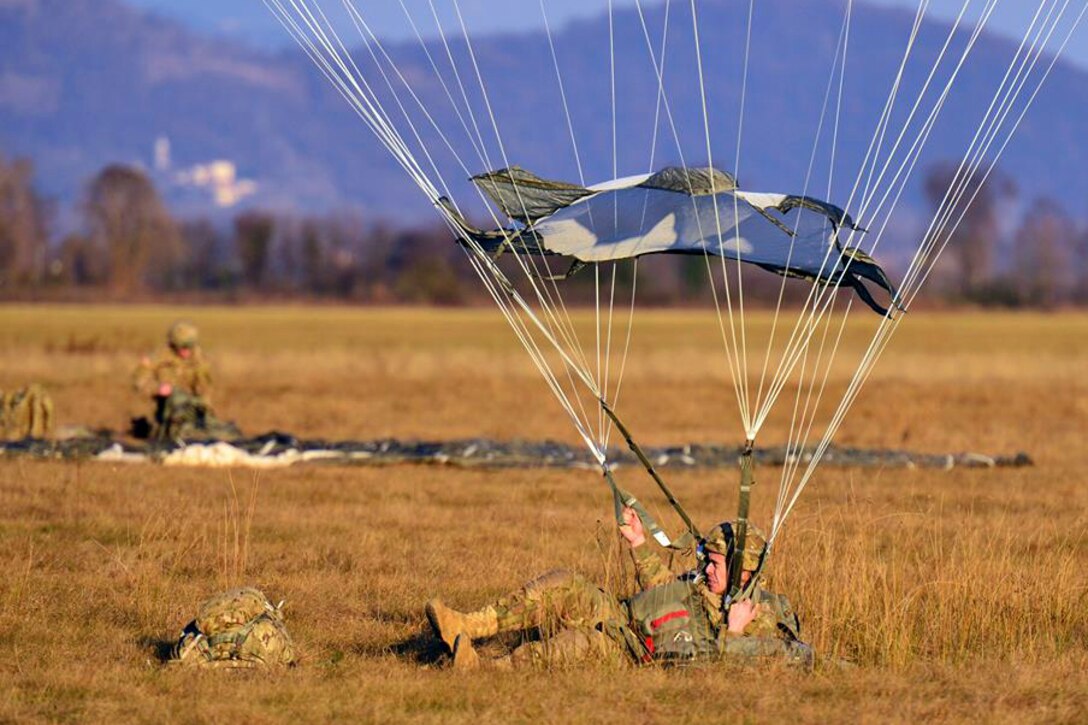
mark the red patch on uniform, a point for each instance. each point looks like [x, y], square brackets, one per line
[666, 617]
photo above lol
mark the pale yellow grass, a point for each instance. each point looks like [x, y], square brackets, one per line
[960, 594]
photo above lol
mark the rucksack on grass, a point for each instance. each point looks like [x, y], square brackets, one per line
[238, 628]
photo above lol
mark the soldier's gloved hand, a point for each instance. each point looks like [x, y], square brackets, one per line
[741, 614]
[631, 528]
[165, 389]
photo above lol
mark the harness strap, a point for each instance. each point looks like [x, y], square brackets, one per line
[621, 498]
[747, 480]
[236, 638]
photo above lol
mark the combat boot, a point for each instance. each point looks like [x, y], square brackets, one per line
[449, 623]
[464, 655]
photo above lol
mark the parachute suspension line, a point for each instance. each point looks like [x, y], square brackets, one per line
[480, 150]
[835, 423]
[371, 116]
[870, 189]
[566, 326]
[838, 67]
[965, 181]
[913, 154]
[862, 376]
[601, 378]
[612, 92]
[563, 95]
[657, 96]
[379, 122]
[358, 19]
[999, 117]
[961, 179]
[535, 354]
[820, 301]
[898, 183]
[732, 354]
[606, 424]
[460, 85]
[804, 327]
[658, 103]
[749, 432]
[797, 441]
[664, 101]
[360, 102]
[884, 334]
[423, 108]
[838, 101]
[911, 157]
[662, 96]
[372, 42]
[882, 128]
[796, 445]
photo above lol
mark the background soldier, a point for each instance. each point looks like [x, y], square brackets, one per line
[670, 619]
[26, 413]
[178, 380]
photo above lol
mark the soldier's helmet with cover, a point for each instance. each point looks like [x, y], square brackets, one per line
[754, 543]
[182, 335]
[721, 540]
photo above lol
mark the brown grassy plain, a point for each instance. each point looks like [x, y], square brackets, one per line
[961, 595]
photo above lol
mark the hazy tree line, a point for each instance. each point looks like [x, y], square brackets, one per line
[129, 246]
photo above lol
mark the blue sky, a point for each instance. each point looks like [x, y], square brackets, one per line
[250, 20]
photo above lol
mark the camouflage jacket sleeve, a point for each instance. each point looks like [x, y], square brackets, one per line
[746, 646]
[778, 616]
[201, 377]
[775, 621]
[143, 377]
[650, 570]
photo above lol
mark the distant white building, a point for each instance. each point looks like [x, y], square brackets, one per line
[218, 178]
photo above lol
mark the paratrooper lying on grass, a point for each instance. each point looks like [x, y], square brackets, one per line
[671, 619]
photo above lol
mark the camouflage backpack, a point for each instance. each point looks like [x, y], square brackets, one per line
[238, 628]
[26, 413]
[672, 622]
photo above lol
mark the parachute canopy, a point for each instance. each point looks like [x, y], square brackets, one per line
[680, 211]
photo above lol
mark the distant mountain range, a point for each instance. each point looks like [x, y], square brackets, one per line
[88, 82]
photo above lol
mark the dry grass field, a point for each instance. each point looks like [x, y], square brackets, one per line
[960, 595]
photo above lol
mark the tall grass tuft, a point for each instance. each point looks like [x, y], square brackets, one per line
[232, 551]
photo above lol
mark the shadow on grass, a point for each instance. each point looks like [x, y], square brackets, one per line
[423, 648]
[159, 648]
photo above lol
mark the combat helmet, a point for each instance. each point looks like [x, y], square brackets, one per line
[722, 540]
[754, 543]
[719, 540]
[182, 334]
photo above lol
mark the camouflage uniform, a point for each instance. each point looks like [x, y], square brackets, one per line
[26, 413]
[776, 630]
[187, 408]
[578, 620]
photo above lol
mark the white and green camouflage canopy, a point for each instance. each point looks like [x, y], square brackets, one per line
[680, 211]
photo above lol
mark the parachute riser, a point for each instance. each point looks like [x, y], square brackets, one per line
[740, 533]
[650, 469]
